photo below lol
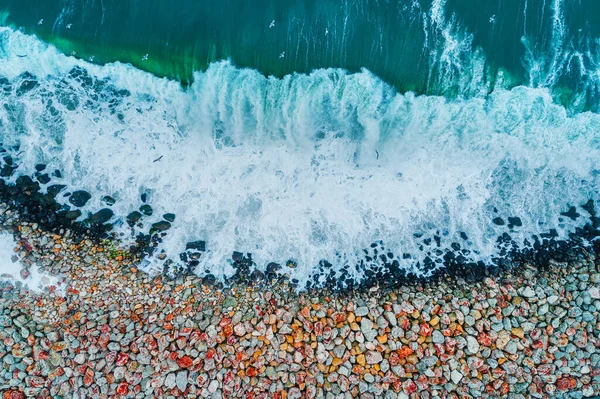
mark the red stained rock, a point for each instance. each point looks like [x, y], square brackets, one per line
[122, 359]
[426, 329]
[251, 372]
[305, 312]
[319, 328]
[409, 387]
[564, 384]
[211, 353]
[88, 378]
[185, 362]
[13, 394]
[123, 389]
[103, 339]
[227, 330]
[339, 317]
[225, 322]
[404, 352]
[484, 339]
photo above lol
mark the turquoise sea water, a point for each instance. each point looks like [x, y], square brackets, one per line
[449, 47]
[309, 130]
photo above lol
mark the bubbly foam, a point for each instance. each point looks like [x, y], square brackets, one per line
[10, 270]
[307, 167]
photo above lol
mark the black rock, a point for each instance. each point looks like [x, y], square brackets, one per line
[197, 245]
[133, 217]
[237, 256]
[273, 268]
[101, 217]
[515, 221]
[144, 197]
[55, 189]
[79, 198]
[571, 213]
[257, 276]
[161, 226]
[44, 179]
[72, 215]
[498, 221]
[463, 235]
[25, 183]
[146, 210]
[6, 170]
[209, 279]
[170, 217]
[40, 166]
[108, 200]
[57, 173]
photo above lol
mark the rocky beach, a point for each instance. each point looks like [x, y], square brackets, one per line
[285, 199]
[108, 330]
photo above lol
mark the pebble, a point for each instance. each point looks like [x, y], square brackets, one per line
[472, 345]
[116, 331]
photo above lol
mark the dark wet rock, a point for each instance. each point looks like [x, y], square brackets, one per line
[257, 276]
[72, 215]
[272, 270]
[54, 189]
[44, 179]
[161, 226]
[57, 173]
[144, 197]
[209, 279]
[571, 213]
[6, 171]
[498, 221]
[197, 245]
[170, 217]
[463, 235]
[101, 217]
[108, 200]
[146, 210]
[515, 221]
[40, 167]
[79, 198]
[133, 217]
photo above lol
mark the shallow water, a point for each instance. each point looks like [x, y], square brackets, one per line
[11, 271]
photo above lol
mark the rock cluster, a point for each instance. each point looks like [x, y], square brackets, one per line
[116, 332]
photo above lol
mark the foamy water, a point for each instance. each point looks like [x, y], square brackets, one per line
[11, 270]
[308, 167]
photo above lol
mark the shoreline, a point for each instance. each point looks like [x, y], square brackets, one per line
[118, 332]
[25, 198]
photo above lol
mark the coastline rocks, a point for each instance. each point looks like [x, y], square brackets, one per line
[134, 217]
[79, 198]
[109, 330]
[161, 226]
[101, 217]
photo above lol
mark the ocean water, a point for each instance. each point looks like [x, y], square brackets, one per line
[308, 131]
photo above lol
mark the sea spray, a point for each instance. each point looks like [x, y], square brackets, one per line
[305, 168]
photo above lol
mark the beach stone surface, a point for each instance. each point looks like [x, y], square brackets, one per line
[109, 331]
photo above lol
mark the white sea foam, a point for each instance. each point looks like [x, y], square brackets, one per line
[307, 167]
[11, 270]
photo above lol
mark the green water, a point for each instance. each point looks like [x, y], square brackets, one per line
[453, 47]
